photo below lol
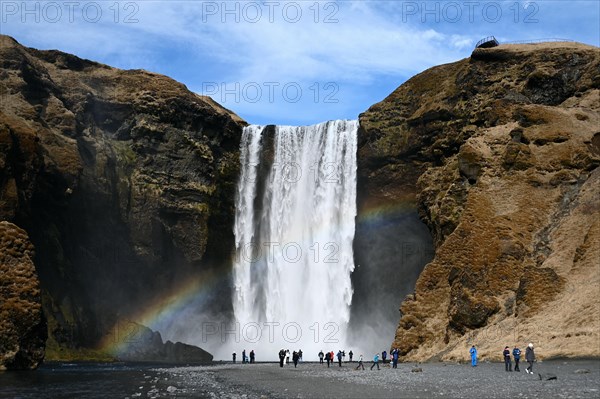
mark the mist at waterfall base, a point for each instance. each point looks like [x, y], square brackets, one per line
[392, 246]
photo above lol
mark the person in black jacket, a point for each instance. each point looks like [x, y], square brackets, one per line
[517, 356]
[530, 358]
[281, 357]
[507, 361]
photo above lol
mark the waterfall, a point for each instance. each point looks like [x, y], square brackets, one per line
[294, 227]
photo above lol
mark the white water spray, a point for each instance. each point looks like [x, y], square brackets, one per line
[294, 228]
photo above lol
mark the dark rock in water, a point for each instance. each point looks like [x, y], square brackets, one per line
[547, 376]
[22, 326]
[144, 345]
[417, 370]
[582, 371]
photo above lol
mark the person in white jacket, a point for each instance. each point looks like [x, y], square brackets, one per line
[360, 363]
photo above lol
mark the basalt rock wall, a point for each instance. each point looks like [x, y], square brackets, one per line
[124, 181]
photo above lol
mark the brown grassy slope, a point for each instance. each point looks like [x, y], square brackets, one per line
[510, 144]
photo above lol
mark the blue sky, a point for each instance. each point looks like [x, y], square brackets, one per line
[290, 62]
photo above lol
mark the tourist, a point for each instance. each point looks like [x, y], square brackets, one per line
[376, 361]
[295, 357]
[507, 361]
[287, 356]
[473, 352]
[281, 357]
[234, 356]
[344, 355]
[350, 354]
[332, 356]
[360, 362]
[339, 356]
[328, 358]
[252, 356]
[300, 355]
[383, 356]
[530, 358]
[321, 355]
[395, 355]
[517, 355]
[244, 356]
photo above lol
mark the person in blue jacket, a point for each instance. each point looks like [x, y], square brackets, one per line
[517, 355]
[395, 354]
[375, 361]
[473, 352]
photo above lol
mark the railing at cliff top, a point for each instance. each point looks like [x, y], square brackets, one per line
[491, 41]
[534, 41]
[486, 42]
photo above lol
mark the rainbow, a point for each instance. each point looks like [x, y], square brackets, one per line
[164, 311]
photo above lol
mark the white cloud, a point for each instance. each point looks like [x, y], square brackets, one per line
[370, 41]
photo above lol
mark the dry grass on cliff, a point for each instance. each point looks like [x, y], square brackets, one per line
[514, 211]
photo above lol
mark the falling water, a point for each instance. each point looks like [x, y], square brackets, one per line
[294, 228]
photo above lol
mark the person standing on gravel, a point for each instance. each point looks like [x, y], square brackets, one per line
[517, 355]
[383, 356]
[328, 358]
[395, 354]
[252, 356]
[350, 354]
[281, 357]
[507, 361]
[530, 358]
[321, 355]
[295, 358]
[360, 363]
[376, 361]
[473, 352]
[234, 356]
[299, 355]
[339, 356]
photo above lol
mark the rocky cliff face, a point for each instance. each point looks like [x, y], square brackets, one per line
[124, 181]
[22, 325]
[499, 153]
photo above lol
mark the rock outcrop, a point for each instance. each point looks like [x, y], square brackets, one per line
[499, 153]
[22, 326]
[123, 180]
[138, 343]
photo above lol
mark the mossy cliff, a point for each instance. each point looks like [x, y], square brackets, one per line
[499, 153]
[124, 181]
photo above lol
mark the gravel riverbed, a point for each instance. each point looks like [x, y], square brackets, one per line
[574, 379]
